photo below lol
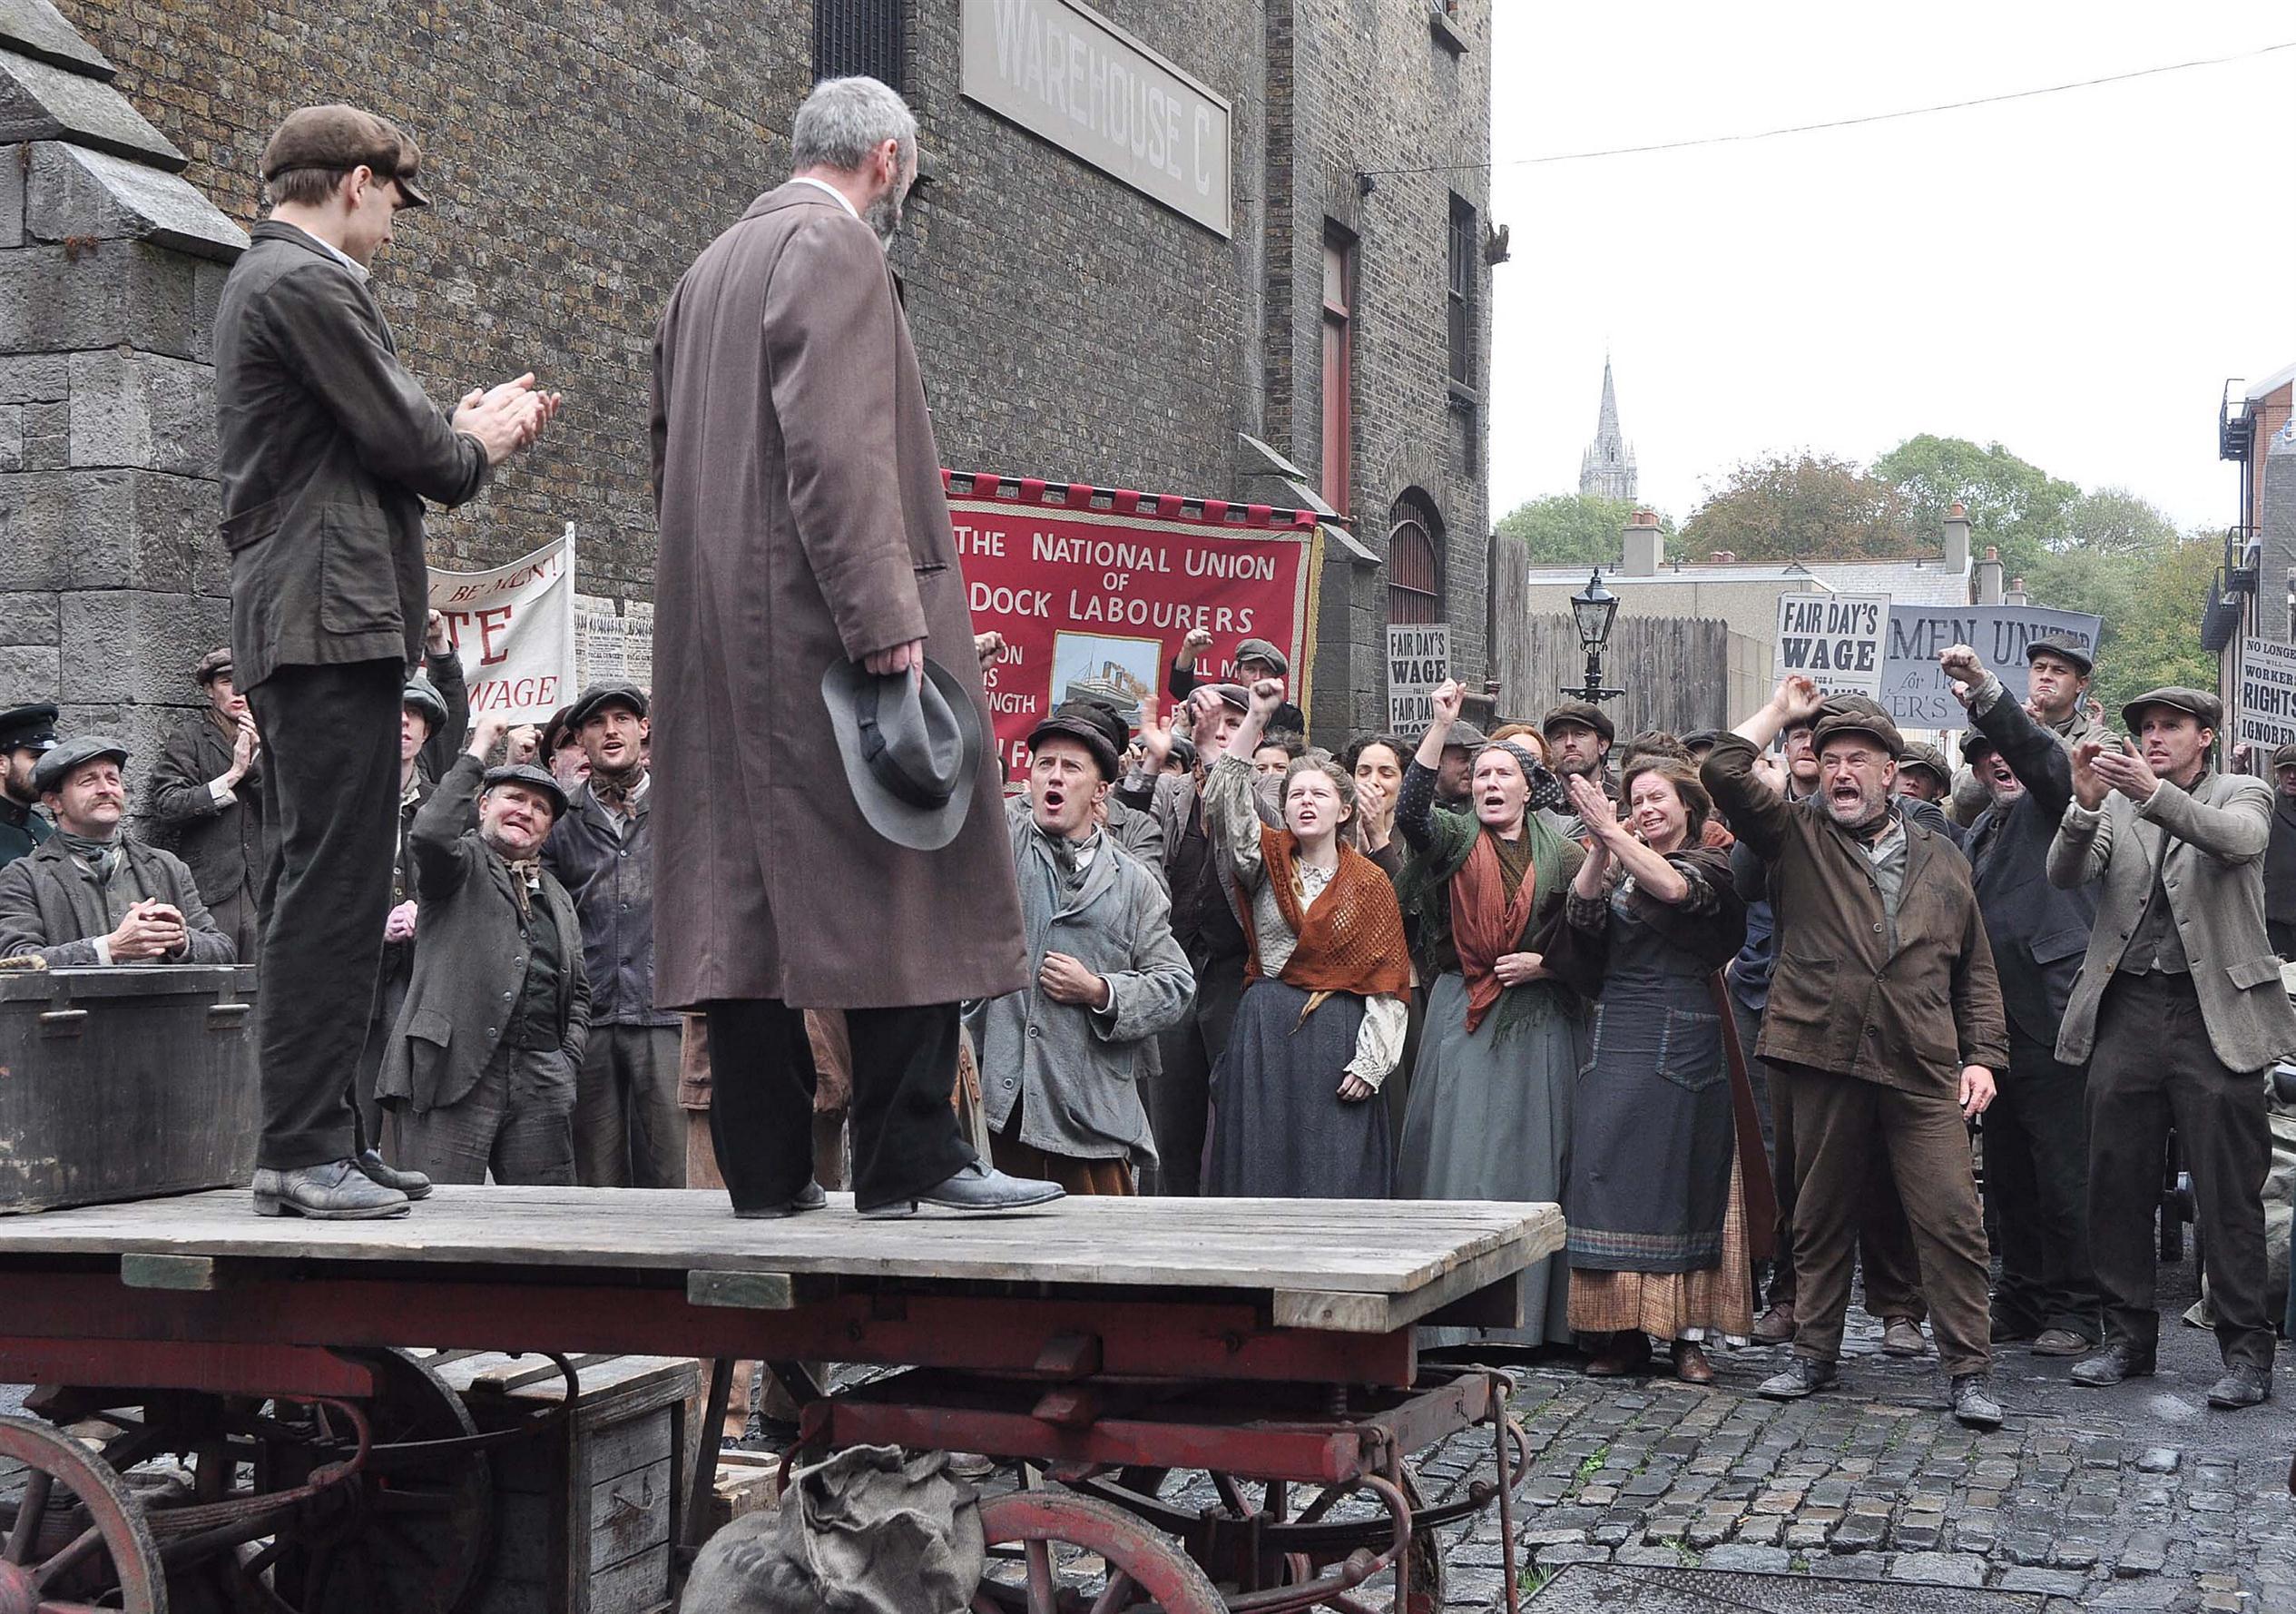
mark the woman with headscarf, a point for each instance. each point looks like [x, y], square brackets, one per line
[1491, 1110]
[1321, 1025]
[1653, 1247]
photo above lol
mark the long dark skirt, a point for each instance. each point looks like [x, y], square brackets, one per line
[1280, 1129]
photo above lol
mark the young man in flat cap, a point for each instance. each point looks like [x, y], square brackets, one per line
[2059, 671]
[2179, 1011]
[1255, 659]
[92, 895]
[1578, 742]
[483, 1062]
[1883, 1025]
[207, 788]
[27, 734]
[327, 448]
[629, 1130]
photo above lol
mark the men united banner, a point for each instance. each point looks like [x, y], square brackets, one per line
[1093, 590]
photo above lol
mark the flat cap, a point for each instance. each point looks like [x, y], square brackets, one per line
[2285, 757]
[1081, 721]
[1918, 755]
[1708, 738]
[534, 778]
[337, 136]
[1233, 694]
[1465, 735]
[1976, 743]
[423, 696]
[599, 696]
[2198, 701]
[1875, 724]
[214, 664]
[28, 728]
[1183, 751]
[56, 766]
[2063, 646]
[1260, 650]
[1582, 713]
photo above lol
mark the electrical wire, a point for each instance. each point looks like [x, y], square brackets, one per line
[1878, 117]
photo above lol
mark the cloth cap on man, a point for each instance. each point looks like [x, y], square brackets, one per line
[2065, 647]
[1708, 738]
[1087, 723]
[1976, 743]
[1232, 694]
[28, 728]
[1918, 755]
[1259, 650]
[911, 748]
[58, 764]
[2285, 757]
[532, 778]
[1586, 714]
[2199, 703]
[614, 691]
[339, 137]
[1464, 736]
[214, 664]
[423, 696]
[1873, 724]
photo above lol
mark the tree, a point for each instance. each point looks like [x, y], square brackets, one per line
[1572, 529]
[1805, 507]
[2114, 521]
[2013, 506]
[2151, 595]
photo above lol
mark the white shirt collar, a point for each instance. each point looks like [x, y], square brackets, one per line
[843, 200]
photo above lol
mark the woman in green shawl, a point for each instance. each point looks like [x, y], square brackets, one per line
[1489, 1114]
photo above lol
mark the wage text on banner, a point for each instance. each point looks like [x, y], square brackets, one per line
[1419, 658]
[1092, 600]
[1834, 640]
[512, 628]
[2266, 718]
[1920, 696]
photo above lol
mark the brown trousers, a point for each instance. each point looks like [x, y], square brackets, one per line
[1885, 1243]
[1846, 1132]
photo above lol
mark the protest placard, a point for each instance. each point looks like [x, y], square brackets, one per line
[2266, 716]
[1419, 658]
[1833, 639]
[1920, 696]
[512, 628]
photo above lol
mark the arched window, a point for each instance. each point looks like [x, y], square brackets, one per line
[1415, 560]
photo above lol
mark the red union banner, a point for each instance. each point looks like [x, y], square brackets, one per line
[1095, 588]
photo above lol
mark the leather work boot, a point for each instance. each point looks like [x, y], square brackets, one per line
[808, 1198]
[337, 1191]
[2061, 1342]
[413, 1183]
[978, 1189]
[2244, 1386]
[2111, 1365]
[1901, 1336]
[1973, 1403]
[1776, 1325]
[1800, 1377]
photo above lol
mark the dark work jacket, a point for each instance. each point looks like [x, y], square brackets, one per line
[1286, 718]
[2279, 862]
[611, 880]
[1842, 999]
[2038, 932]
[53, 907]
[470, 961]
[22, 828]
[327, 448]
[225, 847]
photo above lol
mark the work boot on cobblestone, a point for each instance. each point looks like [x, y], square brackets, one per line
[2061, 1342]
[1973, 1401]
[2244, 1386]
[336, 1192]
[1901, 1336]
[2111, 1365]
[1800, 1377]
[1691, 1365]
[1621, 1355]
[1776, 1326]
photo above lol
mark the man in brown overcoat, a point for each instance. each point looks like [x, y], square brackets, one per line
[803, 527]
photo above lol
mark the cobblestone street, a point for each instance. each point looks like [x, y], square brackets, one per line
[2137, 1498]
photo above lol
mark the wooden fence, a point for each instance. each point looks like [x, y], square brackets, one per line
[1675, 670]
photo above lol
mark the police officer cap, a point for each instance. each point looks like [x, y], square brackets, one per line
[335, 136]
[55, 767]
[534, 778]
[28, 728]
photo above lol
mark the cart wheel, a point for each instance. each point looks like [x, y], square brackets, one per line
[66, 1554]
[416, 1531]
[1137, 1568]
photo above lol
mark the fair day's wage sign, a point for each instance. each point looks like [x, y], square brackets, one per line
[513, 630]
[1834, 640]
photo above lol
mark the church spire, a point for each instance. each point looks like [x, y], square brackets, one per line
[1606, 470]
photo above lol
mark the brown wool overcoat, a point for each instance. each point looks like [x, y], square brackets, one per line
[802, 522]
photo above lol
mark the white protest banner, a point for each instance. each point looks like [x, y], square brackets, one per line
[1419, 658]
[1834, 640]
[512, 628]
[1920, 696]
[2266, 716]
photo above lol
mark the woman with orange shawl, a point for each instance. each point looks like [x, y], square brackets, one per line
[1491, 1110]
[1321, 1022]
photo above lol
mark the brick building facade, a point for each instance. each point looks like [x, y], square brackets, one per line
[1070, 326]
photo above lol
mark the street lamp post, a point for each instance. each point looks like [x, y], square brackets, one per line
[1594, 608]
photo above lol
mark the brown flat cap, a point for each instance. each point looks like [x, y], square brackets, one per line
[1874, 724]
[1584, 713]
[344, 137]
[2065, 647]
[214, 664]
[2285, 757]
[1918, 755]
[2177, 698]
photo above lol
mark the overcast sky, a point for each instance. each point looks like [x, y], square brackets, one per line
[2074, 275]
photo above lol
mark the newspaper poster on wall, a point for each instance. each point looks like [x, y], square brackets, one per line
[1419, 658]
[2265, 719]
[514, 629]
[613, 639]
[1835, 640]
[1920, 696]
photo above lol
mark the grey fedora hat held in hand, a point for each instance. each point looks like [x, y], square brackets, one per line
[911, 749]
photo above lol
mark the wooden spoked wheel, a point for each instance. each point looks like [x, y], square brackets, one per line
[1079, 1556]
[76, 1540]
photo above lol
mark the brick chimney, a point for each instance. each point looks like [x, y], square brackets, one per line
[1956, 536]
[2017, 595]
[1645, 544]
[1988, 577]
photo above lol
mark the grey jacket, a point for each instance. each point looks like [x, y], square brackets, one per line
[1075, 1071]
[470, 961]
[52, 907]
[611, 880]
[2214, 838]
[327, 448]
[225, 846]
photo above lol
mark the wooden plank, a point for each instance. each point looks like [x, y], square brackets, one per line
[639, 1586]
[629, 1515]
[751, 1291]
[1353, 1311]
[196, 1275]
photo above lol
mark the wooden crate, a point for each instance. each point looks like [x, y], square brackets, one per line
[585, 1520]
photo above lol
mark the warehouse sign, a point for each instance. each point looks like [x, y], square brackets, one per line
[1063, 72]
[1419, 660]
[1834, 640]
[2265, 719]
